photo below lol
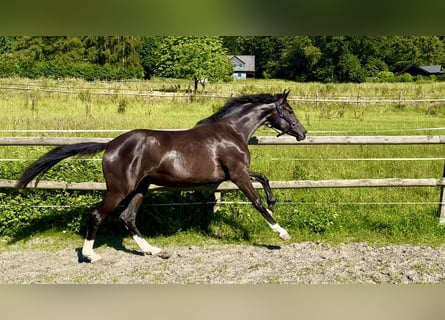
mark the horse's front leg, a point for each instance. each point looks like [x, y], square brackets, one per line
[245, 185]
[261, 178]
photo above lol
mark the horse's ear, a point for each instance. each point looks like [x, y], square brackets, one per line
[283, 97]
[285, 94]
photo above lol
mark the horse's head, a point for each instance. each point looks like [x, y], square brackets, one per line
[284, 119]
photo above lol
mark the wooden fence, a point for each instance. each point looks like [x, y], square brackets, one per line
[262, 140]
[160, 93]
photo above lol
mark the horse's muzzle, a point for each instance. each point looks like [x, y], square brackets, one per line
[301, 137]
[299, 132]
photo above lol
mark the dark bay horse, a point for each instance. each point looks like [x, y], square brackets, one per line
[215, 150]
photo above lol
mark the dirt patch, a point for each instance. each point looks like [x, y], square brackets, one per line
[306, 262]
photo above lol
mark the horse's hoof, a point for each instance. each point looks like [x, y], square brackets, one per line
[285, 236]
[162, 254]
[93, 258]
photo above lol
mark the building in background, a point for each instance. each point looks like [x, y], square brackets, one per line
[243, 66]
[424, 70]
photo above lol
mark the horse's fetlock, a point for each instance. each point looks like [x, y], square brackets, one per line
[127, 219]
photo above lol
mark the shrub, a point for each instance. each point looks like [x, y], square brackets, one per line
[386, 76]
[406, 77]
[11, 66]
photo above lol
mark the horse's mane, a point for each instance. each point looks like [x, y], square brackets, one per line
[233, 103]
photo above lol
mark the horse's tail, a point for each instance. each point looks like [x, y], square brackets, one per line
[50, 159]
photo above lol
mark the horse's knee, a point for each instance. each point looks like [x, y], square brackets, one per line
[271, 203]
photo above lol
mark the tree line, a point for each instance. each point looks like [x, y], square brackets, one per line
[298, 58]
[337, 58]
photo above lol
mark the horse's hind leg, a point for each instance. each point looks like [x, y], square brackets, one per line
[111, 200]
[128, 217]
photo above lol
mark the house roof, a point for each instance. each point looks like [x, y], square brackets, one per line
[248, 62]
[437, 69]
[424, 70]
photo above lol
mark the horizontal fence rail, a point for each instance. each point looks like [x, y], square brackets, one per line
[227, 185]
[159, 93]
[257, 140]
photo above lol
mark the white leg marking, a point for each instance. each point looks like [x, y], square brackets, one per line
[284, 235]
[145, 247]
[87, 251]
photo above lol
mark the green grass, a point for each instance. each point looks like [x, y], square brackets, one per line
[375, 215]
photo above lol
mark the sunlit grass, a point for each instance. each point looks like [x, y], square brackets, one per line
[379, 215]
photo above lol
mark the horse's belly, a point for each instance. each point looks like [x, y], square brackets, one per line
[182, 180]
[177, 170]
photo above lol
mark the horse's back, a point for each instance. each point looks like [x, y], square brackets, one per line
[171, 157]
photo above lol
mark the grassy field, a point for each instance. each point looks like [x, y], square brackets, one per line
[376, 215]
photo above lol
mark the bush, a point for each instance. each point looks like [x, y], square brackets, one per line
[11, 66]
[386, 76]
[29, 212]
[406, 77]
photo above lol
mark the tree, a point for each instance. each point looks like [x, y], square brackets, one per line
[6, 44]
[85, 57]
[29, 49]
[370, 51]
[67, 50]
[148, 54]
[298, 58]
[331, 48]
[432, 50]
[402, 52]
[349, 69]
[120, 51]
[195, 58]
[301, 58]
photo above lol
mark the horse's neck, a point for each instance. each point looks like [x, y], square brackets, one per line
[245, 124]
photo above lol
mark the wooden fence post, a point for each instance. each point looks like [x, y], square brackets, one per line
[400, 99]
[442, 201]
[217, 201]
